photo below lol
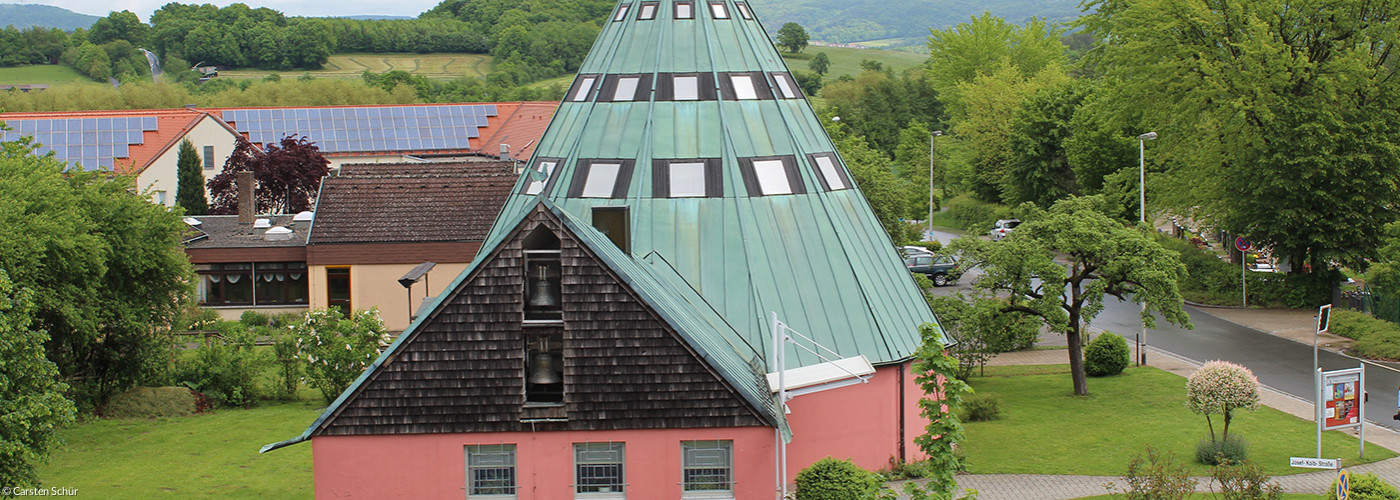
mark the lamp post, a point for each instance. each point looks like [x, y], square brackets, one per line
[1142, 217]
[935, 133]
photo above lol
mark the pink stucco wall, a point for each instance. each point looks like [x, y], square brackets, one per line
[858, 422]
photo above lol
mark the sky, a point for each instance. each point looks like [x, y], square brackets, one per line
[308, 8]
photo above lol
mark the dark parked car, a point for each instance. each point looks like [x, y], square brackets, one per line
[943, 270]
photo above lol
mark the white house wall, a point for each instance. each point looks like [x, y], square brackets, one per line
[159, 179]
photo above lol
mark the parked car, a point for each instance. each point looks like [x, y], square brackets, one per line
[1002, 228]
[942, 269]
[911, 251]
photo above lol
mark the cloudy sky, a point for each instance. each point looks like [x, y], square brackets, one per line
[310, 8]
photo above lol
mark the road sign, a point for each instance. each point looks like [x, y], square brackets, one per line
[1343, 484]
[1243, 244]
[1324, 316]
[1314, 463]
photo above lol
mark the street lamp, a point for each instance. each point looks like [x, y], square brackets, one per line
[1142, 216]
[936, 133]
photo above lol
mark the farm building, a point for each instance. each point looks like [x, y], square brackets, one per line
[684, 245]
[145, 143]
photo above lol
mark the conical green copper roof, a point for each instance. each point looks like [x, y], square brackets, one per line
[728, 177]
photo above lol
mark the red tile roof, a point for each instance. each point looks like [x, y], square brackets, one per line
[521, 128]
[172, 125]
[411, 202]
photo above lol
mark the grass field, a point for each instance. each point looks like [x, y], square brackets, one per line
[1207, 496]
[1099, 434]
[845, 61]
[51, 74]
[204, 456]
[435, 66]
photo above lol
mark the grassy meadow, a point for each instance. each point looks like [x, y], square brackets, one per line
[51, 74]
[846, 61]
[435, 66]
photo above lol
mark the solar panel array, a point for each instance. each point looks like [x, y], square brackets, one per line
[93, 143]
[357, 129]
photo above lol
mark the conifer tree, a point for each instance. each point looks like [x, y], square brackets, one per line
[189, 190]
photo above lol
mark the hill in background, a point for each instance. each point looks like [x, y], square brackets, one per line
[848, 21]
[22, 16]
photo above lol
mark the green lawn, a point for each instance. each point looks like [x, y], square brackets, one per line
[1207, 496]
[445, 66]
[210, 455]
[1044, 429]
[51, 74]
[845, 61]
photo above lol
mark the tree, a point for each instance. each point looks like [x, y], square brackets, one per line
[820, 63]
[189, 187]
[1104, 258]
[957, 55]
[792, 37]
[1221, 387]
[336, 349]
[871, 173]
[997, 97]
[981, 329]
[123, 25]
[1275, 117]
[105, 267]
[31, 397]
[286, 176]
[1039, 171]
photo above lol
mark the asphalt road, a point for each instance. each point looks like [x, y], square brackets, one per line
[1280, 363]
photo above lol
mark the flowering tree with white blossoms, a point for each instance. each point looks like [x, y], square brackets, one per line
[337, 349]
[1221, 387]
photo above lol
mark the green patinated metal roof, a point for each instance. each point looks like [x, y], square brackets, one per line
[820, 259]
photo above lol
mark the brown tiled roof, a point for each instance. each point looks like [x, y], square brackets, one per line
[410, 202]
[520, 127]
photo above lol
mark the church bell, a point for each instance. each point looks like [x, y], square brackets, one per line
[543, 296]
[542, 367]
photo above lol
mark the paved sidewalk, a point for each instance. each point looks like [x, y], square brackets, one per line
[1278, 322]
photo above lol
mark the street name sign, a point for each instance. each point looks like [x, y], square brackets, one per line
[1315, 463]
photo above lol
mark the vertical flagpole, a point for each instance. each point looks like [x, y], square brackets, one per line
[779, 346]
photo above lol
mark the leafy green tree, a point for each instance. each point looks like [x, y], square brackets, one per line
[984, 45]
[879, 104]
[123, 25]
[336, 349]
[1276, 118]
[1039, 171]
[1104, 258]
[981, 329]
[870, 171]
[997, 97]
[820, 63]
[792, 37]
[31, 397]
[189, 190]
[105, 267]
[912, 165]
[1221, 387]
[308, 44]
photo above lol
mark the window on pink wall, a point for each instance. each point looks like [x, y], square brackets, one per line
[707, 469]
[599, 471]
[491, 471]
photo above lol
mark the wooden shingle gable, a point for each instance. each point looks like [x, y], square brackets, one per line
[463, 369]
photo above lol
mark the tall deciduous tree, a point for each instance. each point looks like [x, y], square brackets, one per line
[820, 63]
[31, 397]
[1039, 171]
[792, 37]
[1104, 258]
[287, 176]
[997, 97]
[189, 182]
[1276, 116]
[985, 44]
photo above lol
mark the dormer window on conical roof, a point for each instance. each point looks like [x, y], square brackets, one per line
[827, 171]
[601, 179]
[647, 11]
[583, 88]
[687, 178]
[744, 11]
[718, 10]
[622, 12]
[685, 10]
[771, 175]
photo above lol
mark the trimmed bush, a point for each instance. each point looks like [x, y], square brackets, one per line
[1225, 451]
[832, 479]
[151, 402]
[974, 215]
[253, 319]
[1366, 487]
[932, 246]
[1375, 338]
[226, 371]
[1106, 355]
[981, 407]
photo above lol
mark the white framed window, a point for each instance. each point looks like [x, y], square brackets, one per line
[772, 177]
[829, 171]
[707, 469]
[647, 11]
[626, 88]
[687, 88]
[744, 11]
[209, 157]
[600, 471]
[602, 179]
[718, 10]
[491, 471]
[585, 85]
[786, 86]
[743, 87]
[685, 10]
[159, 197]
[687, 179]
[545, 167]
[622, 12]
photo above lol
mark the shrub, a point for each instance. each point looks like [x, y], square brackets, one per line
[151, 402]
[1375, 338]
[253, 319]
[932, 246]
[1221, 387]
[225, 370]
[284, 352]
[1158, 476]
[1106, 355]
[1245, 481]
[1224, 451]
[1366, 486]
[981, 407]
[336, 349]
[974, 215]
[832, 479]
[900, 470]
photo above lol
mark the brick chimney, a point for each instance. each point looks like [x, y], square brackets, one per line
[247, 210]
